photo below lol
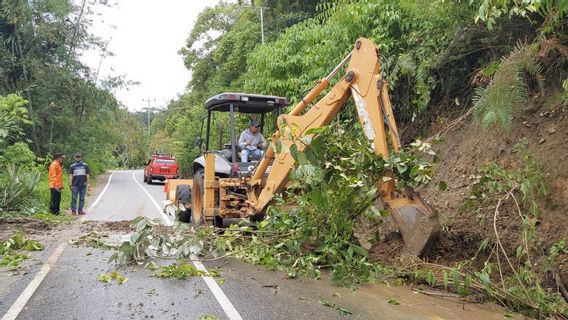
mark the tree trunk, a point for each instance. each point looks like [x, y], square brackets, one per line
[30, 108]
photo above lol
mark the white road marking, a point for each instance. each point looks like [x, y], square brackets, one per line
[23, 299]
[101, 195]
[167, 220]
[225, 303]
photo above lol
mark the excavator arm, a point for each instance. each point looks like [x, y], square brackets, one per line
[417, 221]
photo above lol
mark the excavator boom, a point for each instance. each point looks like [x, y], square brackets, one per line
[416, 220]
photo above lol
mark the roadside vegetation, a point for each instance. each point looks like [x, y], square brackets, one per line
[51, 102]
[494, 63]
[499, 64]
[313, 227]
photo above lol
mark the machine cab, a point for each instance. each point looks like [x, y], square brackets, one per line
[228, 115]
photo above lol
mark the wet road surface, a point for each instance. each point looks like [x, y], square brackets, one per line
[70, 289]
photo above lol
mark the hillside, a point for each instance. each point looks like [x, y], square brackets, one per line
[464, 148]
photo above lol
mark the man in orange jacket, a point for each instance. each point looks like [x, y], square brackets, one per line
[56, 182]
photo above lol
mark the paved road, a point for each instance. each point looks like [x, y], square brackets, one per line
[69, 288]
[128, 197]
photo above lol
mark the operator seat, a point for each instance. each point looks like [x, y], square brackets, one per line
[226, 154]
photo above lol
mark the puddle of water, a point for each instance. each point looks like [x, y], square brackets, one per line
[418, 305]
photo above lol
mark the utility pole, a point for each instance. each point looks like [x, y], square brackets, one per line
[261, 7]
[148, 112]
[261, 24]
[103, 55]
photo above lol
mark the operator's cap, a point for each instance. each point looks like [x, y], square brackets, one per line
[255, 123]
[58, 155]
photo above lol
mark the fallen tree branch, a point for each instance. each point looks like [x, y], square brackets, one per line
[496, 213]
[525, 240]
[436, 294]
[560, 284]
[452, 125]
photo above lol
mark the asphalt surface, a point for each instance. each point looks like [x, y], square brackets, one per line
[127, 198]
[70, 290]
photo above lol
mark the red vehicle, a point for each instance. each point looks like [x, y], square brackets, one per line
[161, 167]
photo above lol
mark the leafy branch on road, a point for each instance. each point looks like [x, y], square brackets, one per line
[312, 226]
[313, 229]
[18, 241]
[184, 270]
[309, 230]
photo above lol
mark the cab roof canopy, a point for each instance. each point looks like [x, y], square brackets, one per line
[245, 103]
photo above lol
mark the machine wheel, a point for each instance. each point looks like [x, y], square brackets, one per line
[185, 216]
[183, 195]
[145, 179]
[257, 218]
[197, 216]
[149, 180]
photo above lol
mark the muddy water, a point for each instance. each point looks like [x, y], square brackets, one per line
[414, 305]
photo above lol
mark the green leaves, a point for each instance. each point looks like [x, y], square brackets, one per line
[108, 277]
[13, 259]
[490, 11]
[497, 103]
[342, 311]
[184, 270]
[18, 241]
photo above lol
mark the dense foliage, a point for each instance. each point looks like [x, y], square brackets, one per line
[429, 49]
[440, 57]
[51, 102]
[224, 54]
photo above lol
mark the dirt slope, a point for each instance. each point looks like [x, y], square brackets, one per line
[463, 151]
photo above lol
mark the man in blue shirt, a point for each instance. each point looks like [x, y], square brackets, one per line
[79, 182]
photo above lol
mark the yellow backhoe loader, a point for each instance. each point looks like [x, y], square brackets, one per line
[224, 189]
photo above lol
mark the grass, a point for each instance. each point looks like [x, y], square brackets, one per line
[55, 219]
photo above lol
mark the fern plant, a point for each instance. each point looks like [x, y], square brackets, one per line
[7, 128]
[497, 103]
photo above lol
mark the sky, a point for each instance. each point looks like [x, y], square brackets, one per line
[144, 37]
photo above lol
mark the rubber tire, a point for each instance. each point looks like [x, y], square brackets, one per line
[197, 192]
[185, 216]
[183, 194]
[258, 217]
[149, 180]
[145, 179]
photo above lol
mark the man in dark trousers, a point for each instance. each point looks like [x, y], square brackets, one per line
[79, 182]
[56, 182]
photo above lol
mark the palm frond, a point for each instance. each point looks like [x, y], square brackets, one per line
[497, 103]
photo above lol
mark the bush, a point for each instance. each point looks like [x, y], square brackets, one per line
[18, 154]
[17, 189]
